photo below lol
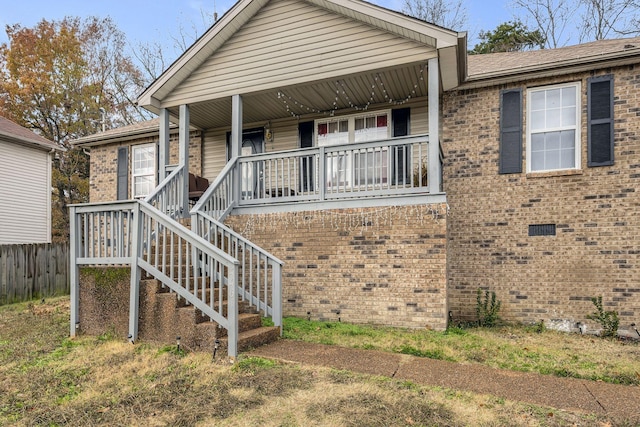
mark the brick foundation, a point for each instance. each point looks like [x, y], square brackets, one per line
[384, 266]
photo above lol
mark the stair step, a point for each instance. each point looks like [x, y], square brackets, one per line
[252, 339]
[246, 322]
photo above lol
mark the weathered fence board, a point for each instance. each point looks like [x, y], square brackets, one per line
[33, 271]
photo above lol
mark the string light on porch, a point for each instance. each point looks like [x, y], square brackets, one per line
[360, 221]
[296, 108]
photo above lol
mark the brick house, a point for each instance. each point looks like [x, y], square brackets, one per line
[380, 189]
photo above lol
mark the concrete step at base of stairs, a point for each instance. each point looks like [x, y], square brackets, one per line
[252, 339]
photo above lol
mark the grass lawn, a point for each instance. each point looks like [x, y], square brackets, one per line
[48, 379]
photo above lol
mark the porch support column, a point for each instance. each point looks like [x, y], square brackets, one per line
[434, 169]
[183, 138]
[163, 155]
[74, 271]
[136, 273]
[236, 143]
[236, 125]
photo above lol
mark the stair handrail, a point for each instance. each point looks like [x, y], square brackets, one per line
[253, 283]
[208, 213]
[220, 197]
[168, 196]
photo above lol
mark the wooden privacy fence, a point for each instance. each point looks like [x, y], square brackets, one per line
[32, 271]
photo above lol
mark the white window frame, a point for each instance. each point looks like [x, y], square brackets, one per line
[576, 127]
[135, 174]
[344, 166]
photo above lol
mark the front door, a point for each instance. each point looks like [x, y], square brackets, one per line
[252, 173]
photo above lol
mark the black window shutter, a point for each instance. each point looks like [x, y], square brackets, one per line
[400, 119]
[600, 120]
[401, 154]
[123, 173]
[511, 131]
[305, 130]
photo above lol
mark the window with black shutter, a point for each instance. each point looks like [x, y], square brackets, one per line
[122, 185]
[511, 131]
[600, 120]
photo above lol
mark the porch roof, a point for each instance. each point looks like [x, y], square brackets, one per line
[449, 45]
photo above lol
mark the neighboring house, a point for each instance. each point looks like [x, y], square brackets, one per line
[25, 185]
[375, 173]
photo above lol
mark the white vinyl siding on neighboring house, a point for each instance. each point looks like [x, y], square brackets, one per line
[553, 128]
[25, 194]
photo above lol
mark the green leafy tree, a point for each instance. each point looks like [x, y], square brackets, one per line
[65, 80]
[509, 37]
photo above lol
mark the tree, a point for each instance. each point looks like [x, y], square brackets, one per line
[591, 19]
[550, 18]
[508, 37]
[154, 57]
[445, 13]
[65, 80]
[604, 18]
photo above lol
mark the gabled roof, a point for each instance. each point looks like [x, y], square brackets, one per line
[496, 68]
[13, 132]
[451, 42]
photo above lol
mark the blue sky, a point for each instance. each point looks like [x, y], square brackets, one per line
[147, 20]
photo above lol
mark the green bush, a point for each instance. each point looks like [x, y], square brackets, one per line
[487, 308]
[608, 320]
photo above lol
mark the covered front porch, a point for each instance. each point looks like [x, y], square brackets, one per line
[337, 156]
[319, 129]
[310, 101]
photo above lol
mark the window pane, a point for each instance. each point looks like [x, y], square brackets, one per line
[537, 142]
[143, 185]
[537, 100]
[568, 116]
[537, 161]
[569, 96]
[553, 98]
[537, 120]
[567, 160]
[553, 118]
[359, 123]
[552, 159]
[568, 139]
[552, 140]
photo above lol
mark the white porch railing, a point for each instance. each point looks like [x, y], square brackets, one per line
[366, 170]
[378, 169]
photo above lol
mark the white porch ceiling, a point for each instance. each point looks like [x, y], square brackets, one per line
[386, 87]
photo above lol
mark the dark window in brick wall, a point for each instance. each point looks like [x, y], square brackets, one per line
[542, 230]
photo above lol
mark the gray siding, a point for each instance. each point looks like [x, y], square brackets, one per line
[25, 195]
